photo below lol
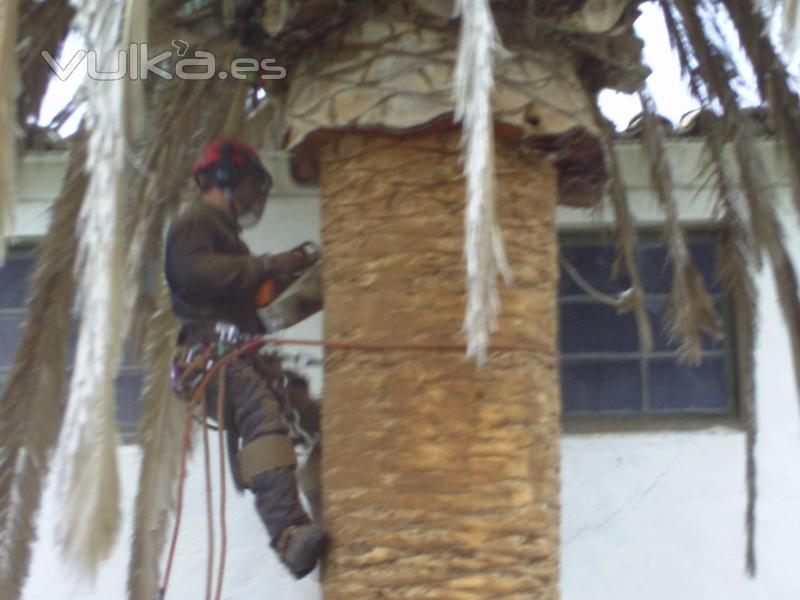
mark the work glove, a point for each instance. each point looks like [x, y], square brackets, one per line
[310, 251]
[293, 262]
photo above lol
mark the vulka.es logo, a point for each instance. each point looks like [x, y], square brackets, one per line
[136, 63]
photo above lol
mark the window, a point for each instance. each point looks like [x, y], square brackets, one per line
[15, 277]
[604, 371]
[13, 290]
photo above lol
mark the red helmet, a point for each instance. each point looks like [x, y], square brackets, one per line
[225, 164]
[222, 163]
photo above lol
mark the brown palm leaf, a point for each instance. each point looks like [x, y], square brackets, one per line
[711, 81]
[626, 232]
[43, 26]
[734, 272]
[161, 436]
[772, 77]
[32, 405]
[690, 310]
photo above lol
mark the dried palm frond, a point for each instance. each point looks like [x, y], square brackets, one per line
[32, 406]
[712, 73]
[626, 232]
[8, 120]
[736, 263]
[161, 437]
[134, 32]
[733, 270]
[88, 478]
[768, 235]
[716, 131]
[790, 22]
[761, 200]
[773, 80]
[690, 309]
[483, 244]
[737, 257]
[236, 115]
[43, 26]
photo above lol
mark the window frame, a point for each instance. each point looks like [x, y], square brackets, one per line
[646, 418]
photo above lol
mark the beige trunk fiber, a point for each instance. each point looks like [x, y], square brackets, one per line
[440, 479]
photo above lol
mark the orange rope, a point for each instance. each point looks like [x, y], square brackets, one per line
[198, 393]
[179, 507]
[209, 507]
[222, 525]
[441, 346]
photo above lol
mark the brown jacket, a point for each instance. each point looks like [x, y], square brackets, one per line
[211, 273]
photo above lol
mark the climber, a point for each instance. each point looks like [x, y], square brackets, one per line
[214, 279]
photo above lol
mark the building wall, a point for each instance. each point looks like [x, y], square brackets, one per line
[656, 514]
[660, 514]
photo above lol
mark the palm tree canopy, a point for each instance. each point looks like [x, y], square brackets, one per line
[378, 66]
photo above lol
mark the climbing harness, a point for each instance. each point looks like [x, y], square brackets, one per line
[191, 372]
[192, 365]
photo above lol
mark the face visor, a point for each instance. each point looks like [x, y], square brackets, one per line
[250, 198]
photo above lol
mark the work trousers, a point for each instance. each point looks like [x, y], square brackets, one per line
[251, 411]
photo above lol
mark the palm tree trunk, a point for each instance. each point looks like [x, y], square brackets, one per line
[440, 479]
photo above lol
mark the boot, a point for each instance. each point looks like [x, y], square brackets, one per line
[301, 546]
[298, 542]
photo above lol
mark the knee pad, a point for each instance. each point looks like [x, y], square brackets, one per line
[262, 454]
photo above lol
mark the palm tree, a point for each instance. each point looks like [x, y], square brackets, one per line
[440, 476]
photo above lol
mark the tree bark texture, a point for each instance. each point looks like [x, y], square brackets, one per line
[440, 478]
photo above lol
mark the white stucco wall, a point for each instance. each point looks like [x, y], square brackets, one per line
[660, 515]
[645, 515]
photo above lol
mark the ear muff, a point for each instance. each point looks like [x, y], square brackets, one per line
[226, 174]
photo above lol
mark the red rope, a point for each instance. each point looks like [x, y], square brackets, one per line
[443, 346]
[209, 507]
[222, 524]
[198, 393]
[179, 506]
